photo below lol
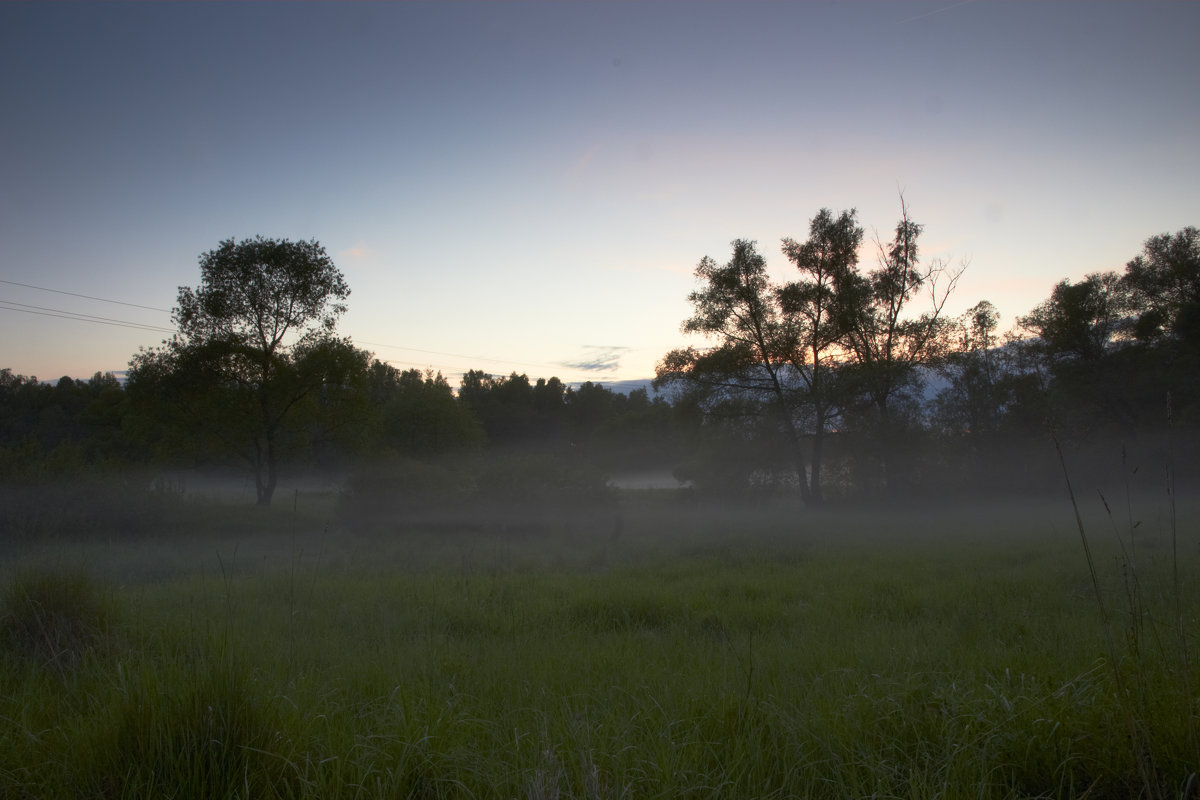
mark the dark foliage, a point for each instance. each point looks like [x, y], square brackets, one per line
[826, 386]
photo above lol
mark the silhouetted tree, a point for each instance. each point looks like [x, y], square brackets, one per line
[1164, 283]
[419, 415]
[810, 306]
[505, 406]
[779, 344]
[739, 308]
[886, 344]
[255, 338]
[971, 404]
[62, 426]
[1080, 320]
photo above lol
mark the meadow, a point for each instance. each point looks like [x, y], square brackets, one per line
[678, 650]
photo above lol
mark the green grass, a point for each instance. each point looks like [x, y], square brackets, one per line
[740, 653]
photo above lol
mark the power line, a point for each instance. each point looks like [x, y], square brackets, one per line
[8, 305]
[84, 296]
[56, 313]
[81, 317]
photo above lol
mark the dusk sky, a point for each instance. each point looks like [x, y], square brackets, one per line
[529, 186]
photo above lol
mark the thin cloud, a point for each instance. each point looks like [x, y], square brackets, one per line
[599, 358]
[359, 252]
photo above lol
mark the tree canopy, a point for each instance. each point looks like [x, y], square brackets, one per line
[254, 339]
[831, 342]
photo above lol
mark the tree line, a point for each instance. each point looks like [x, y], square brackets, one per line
[257, 377]
[843, 383]
[60, 429]
[862, 370]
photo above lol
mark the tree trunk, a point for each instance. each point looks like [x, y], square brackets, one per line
[265, 486]
[887, 443]
[259, 480]
[818, 451]
[789, 429]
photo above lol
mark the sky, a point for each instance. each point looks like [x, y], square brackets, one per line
[529, 186]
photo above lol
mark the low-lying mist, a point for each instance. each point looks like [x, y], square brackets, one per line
[530, 510]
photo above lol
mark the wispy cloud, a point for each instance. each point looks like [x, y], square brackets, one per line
[598, 358]
[359, 252]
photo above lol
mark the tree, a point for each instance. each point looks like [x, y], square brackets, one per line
[885, 344]
[1120, 347]
[971, 403]
[739, 307]
[1164, 283]
[69, 424]
[504, 406]
[419, 415]
[832, 342]
[967, 413]
[1080, 320]
[254, 339]
[826, 262]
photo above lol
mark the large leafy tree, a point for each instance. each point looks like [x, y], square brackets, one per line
[810, 304]
[1118, 348]
[1165, 286]
[833, 342]
[1079, 321]
[255, 339]
[885, 342]
[738, 308]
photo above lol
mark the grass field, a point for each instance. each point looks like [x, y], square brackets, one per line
[685, 652]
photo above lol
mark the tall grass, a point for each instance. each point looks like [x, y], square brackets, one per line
[53, 622]
[722, 654]
[1147, 682]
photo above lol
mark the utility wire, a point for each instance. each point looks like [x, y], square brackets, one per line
[84, 296]
[10, 305]
[7, 305]
[72, 315]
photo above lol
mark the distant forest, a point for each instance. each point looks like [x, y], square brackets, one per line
[846, 385]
